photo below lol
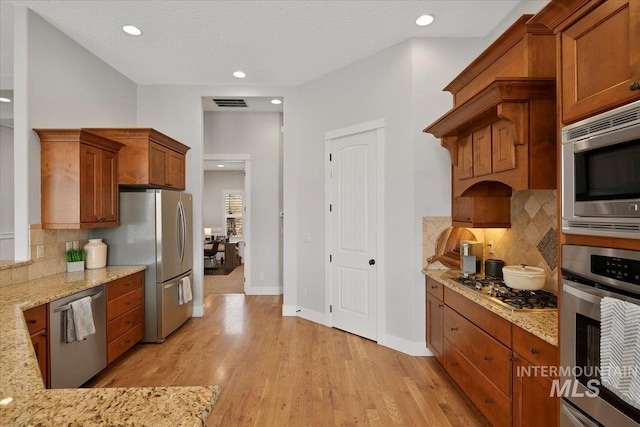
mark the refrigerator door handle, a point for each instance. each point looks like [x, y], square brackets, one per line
[183, 235]
[180, 230]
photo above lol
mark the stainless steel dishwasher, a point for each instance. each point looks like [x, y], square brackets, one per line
[74, 363]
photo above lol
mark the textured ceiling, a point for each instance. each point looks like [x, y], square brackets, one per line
[275, 42]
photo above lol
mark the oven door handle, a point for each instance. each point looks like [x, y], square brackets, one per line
[576, 418]
[583, 295]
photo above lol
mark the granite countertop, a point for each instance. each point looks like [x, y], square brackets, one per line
[542, 324]
[25, 401]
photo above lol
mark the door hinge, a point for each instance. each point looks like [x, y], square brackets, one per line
[330, 258]
[330, 207]
[330, 308]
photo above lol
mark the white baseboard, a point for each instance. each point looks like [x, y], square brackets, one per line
[289, 310]
[264, 290]
[198, 310]
[412, 348]
[314, 316]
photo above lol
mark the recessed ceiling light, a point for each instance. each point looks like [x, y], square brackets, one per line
[5, 100]
[220, 166]
[239, 74]
[132, 30]
[424, 20]
[276, 101]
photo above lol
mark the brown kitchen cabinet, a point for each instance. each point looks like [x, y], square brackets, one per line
[501, 131]
[125, 314]
[532, 404]
[600, 59]
[435, 318]
[148, 158]
[79, 179]
[36, 320]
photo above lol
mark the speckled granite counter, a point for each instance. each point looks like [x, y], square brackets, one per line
[29, 403]
[544, 324]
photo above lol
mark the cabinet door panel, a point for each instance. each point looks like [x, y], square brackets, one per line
[157, 164]
[109, 186]
[39, 341]
[503, 150]
[600, 59]
[175, 172]
[435, 339]
[482, 151]
[465, 157]
[532, 405]
[89, 183]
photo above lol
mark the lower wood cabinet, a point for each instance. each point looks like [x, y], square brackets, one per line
[36, 319]
[532, 404]
[492, 360]
[435, 318]
[125, 314]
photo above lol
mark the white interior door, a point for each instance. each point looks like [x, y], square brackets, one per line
[353, 224]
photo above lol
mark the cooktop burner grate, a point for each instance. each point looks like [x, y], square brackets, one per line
[495, 289]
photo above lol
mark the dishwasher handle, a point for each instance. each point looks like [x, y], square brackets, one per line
[68, 306]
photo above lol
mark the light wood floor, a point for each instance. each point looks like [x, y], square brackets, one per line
[286, 371]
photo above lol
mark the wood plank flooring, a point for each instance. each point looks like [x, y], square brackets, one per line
[287, 371]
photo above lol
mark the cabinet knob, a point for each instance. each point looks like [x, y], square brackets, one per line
[454, 363]
[434, 286]
[440, 305]
[43, 335]
[487, 400]
[128, 322]
[487, 357]
[100, 219]
[32, 321]
[127, 341]
[453, 328]
[634, 86]
[534, 351]
[127, 303]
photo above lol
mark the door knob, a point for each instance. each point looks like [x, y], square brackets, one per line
[634, 86]
[372, 261]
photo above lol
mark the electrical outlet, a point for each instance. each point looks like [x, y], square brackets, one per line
[68, 245]
[490, 245]
[40, 251]
[76, 244]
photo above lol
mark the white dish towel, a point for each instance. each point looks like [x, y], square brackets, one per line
[184, 291]
[80, 320]
[620, 349]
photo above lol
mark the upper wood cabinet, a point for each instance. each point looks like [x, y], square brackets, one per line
[501, 131]
[148, 158]
[79, 172]
[600, 58]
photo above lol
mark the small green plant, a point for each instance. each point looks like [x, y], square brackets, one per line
[74, 255]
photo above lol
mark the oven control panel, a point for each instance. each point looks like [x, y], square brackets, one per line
[626, 270]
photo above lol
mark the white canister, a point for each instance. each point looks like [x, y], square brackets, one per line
[96, 254]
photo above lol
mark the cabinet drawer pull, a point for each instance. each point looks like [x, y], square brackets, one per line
[534, 350]
[453, 328]
[634, 86]
[487, 400]
[454, 363]
[487, 357]
[127, 341]
[434, 286]
[128, 322]
[43, 335]
[440, 305]
[32, 321]
[100, 219]
[127, 303]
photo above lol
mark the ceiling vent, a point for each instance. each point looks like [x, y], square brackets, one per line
[230, 103]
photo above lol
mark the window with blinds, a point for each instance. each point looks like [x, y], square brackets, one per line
[233, 208]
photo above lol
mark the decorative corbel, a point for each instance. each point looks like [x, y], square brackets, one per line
[451, 144]
[514, 114]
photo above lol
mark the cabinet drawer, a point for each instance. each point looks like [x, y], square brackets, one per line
[122, 324]
[533, 349]
[124, 284]
[124, 342]
[124, 303]
[36, 318]
[494, 405]
[485, 353]
[435, 288]
[491, 323]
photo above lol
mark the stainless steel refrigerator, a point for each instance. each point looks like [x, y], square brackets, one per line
[155, 230]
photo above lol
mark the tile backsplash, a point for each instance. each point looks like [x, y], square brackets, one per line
[53, 261]
[532, 238]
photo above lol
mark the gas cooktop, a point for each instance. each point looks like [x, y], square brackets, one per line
[519, 300]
